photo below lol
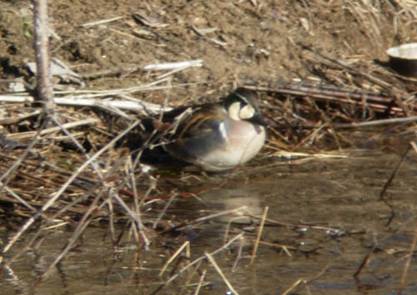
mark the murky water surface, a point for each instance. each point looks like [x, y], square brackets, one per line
[325, 216]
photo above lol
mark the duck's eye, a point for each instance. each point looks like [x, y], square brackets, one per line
[246, 112]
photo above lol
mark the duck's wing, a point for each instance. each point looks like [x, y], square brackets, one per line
[200, 122]
[196, 136]
[179, 124]
[171, 118]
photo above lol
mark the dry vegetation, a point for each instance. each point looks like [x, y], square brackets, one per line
[320, 67]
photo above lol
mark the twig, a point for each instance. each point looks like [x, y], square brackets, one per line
[408, 263]
[238, 255]
[365, 261]
[134, 217]
[186, 246]
[378, 103]
[208, 217]
[18, 119]
[158, 219]
[229, 224]
[182, 270]
[220, 272]
[16, 196]
[306, 281]
[270, 222]
[82, 225]
[394, 173]
[259, 235]
[350, 69]
[101, 22]
[200, 283]
[29, 134]
[20, 286]
[131, 174]
[412, 248]
[136, 105]
[389, 181]
[293, 286]
[374, 123]
[27, 151]
[174, 65]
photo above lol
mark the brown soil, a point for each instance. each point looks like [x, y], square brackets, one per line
[256, 40]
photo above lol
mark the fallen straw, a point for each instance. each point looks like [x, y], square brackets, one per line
[220, 272]
[174, 65]
[259, 235]
[54, 197]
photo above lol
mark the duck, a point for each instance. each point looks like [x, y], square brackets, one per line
[215, 136]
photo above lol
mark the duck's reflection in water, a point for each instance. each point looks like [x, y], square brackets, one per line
[220, 212]
[245, 201]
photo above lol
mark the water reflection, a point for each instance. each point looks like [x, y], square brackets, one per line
[245, 196]
[307, 200]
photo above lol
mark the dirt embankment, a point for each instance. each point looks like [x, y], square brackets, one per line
[256, 40]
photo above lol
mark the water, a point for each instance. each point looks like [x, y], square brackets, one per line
[326, 213]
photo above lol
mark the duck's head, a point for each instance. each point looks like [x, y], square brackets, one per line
[242, 105]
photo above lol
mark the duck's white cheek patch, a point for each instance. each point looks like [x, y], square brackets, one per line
[234, 110]
[247, 112]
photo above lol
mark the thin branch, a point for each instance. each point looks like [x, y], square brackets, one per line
[41, 44]
[220, 272]
[259, 235]
[408, 263]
